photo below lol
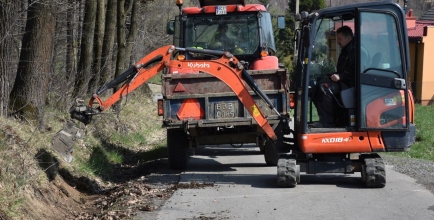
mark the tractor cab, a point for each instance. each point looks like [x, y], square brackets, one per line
[379, 98]
[245, 30]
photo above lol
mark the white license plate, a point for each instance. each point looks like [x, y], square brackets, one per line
[225, 110]
[220, 10]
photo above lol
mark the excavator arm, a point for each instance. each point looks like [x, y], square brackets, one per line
[141, 72]
[227, 68]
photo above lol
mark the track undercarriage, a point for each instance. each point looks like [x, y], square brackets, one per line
[371, 167]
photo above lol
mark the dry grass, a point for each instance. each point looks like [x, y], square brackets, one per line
[135, 130]
[18, 164]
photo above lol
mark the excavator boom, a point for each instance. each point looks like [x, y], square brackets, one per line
[227, 68]
[149, 66]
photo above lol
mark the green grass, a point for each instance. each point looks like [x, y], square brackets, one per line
[101, 161]
[424, 146]
[156, 79]
[131, 139]
[315, 116]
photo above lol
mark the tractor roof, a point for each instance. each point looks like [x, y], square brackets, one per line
[221, 2]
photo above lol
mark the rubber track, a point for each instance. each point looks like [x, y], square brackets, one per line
[286, 176]
[375, 173]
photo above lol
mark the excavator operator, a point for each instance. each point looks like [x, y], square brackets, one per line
[343, 78]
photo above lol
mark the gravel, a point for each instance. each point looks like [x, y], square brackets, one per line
[421, 170]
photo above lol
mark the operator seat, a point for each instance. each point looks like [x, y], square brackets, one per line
[376, 60]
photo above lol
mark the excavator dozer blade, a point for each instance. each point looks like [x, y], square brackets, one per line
[64, 141]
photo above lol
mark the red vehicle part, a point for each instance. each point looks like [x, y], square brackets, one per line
[227, 68]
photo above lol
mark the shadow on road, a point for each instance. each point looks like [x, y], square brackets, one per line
[340, 180]
[227, 150]
[246, 166]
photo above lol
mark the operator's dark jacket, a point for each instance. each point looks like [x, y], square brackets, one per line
[346, 64]
[345, 69]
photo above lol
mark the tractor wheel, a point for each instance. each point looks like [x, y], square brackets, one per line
[177, 145]
[288, 172]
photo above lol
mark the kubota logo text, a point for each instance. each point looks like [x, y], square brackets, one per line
[335, 140]
[198, 65]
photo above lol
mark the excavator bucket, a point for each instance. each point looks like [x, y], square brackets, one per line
[64, 141]
[283, 144]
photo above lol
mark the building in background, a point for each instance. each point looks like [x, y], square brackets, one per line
[421, 42]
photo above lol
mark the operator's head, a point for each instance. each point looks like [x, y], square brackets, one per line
[344, 36]
[222, 27]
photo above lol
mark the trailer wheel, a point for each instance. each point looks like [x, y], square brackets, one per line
[288, 172]
[177, 145]
[260, 142]
[271, 155]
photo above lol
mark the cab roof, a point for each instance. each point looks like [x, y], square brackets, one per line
[221, 2]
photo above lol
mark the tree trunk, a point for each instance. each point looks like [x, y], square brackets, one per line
[30, 89]
[9, 50]
[133, 31]
[124, 6]
[86, 58]
[107, 48]
[71, 52]
[97, 47]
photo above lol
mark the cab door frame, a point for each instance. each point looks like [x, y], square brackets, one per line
[381, 90]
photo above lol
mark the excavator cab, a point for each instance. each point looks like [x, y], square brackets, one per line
[379, 100]
[374, 114]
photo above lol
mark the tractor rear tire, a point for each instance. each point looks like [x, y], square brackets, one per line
[177, 145]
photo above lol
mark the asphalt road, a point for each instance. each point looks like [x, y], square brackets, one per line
[245, 188]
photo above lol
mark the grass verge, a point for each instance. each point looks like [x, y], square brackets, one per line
[424, 146]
